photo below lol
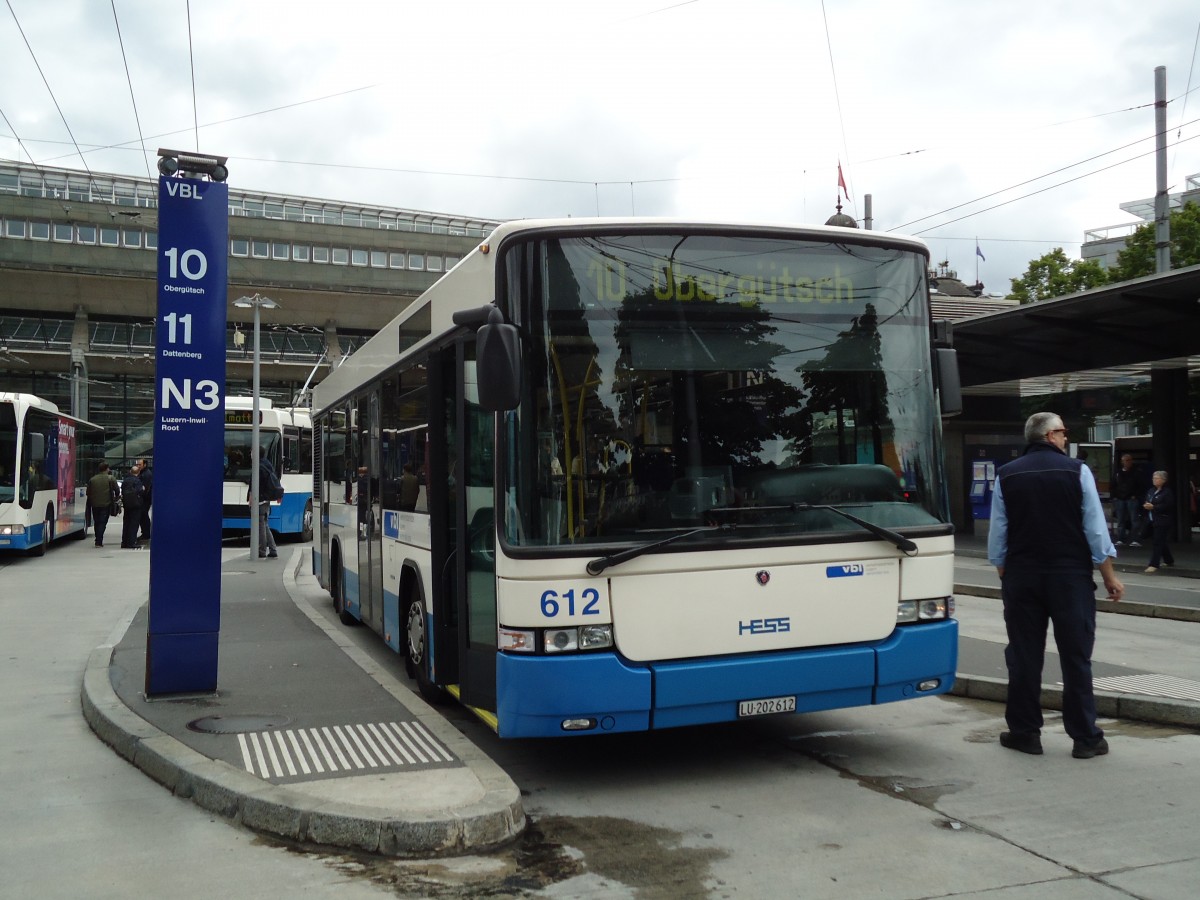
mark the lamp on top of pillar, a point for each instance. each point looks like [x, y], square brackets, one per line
[257, 302]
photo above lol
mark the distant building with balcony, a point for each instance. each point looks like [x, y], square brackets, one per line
[1103, 244]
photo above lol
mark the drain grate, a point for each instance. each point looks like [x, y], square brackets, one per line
[237, 724]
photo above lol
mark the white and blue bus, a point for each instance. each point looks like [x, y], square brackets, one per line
[666, 474]
[285, 437]
[46, 459]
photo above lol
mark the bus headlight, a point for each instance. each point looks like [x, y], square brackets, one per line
[932, 609]
[560, 640]
[516, 640]
[595, 637]
[12, 529]
[924, 610]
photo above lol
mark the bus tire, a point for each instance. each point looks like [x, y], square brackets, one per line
[306, 524]
[337, 587]
[415, 650]
[47, 534]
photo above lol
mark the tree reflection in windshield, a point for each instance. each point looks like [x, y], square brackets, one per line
[672, 376]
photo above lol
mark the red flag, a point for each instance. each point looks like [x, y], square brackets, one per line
[842, 182]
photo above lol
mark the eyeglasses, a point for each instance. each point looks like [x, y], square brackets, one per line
[1061, 431]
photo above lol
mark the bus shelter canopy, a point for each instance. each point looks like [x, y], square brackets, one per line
[1106, 337]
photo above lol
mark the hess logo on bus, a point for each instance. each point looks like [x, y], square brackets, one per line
[776, 625]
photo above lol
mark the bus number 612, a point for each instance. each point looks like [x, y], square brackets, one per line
[553, 602]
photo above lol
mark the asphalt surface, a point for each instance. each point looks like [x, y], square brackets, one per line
[310, 740]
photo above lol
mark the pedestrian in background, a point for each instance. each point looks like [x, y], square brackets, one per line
[1127, 494]
[102, 493]
[268, 488]
[1047, 531]
[1160, 507]
[131, 500]
[147, 479]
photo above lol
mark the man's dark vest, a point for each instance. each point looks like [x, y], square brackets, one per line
[1044, 501]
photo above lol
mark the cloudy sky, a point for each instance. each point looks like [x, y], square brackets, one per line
[1017, 123]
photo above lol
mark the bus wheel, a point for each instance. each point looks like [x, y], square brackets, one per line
[306, 527]
[47, 528]
[416, 651]
[337, 586]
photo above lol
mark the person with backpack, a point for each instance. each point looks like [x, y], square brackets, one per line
[269, 488]
[132, 492]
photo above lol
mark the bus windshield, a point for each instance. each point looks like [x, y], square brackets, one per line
[676, 381]
[8, 452]
[238, 446]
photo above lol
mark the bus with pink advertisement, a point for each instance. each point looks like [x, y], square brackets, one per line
[46, 459]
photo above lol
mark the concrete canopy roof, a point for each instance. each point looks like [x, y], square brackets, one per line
[1106, 337]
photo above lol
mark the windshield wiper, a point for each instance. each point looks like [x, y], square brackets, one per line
[596, 566]
[887, 534]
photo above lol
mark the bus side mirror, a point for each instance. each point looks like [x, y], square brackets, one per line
[949, 385]
[498, 364]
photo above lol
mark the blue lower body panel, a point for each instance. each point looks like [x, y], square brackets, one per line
[536, 693]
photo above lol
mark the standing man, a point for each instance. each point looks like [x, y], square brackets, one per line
[1127, 493]
[101, 492]
[147, 479]
[131, 498]
[268, 490]
[1047, 530]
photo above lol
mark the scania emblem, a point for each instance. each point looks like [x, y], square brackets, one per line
[762, 577]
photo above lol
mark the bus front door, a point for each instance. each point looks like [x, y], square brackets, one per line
[468, 597]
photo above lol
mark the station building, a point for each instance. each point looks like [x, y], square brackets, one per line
[78, 288]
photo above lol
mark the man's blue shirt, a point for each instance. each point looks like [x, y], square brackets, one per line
[1095, 526]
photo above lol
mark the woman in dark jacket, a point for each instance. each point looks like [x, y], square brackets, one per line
[1160, 506]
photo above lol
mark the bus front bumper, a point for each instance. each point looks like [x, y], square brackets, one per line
[540, 696]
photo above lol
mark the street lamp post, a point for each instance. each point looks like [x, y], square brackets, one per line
[257, 302]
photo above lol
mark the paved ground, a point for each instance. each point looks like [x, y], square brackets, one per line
[309, 739]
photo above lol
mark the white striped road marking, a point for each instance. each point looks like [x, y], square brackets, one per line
[1152, 685]
[340, 749]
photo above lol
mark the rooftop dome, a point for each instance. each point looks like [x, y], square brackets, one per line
[840, 219]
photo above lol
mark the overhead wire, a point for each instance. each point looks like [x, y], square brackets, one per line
[837, 96]
[1051, 187]
[1013, 187]
[1191, 72]
[192, 65]
[54, 99]
[129, 81]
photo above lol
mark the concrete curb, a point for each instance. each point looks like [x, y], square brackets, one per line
[1156, 710]
[495, 819]
[279, 811]
[1124, 608]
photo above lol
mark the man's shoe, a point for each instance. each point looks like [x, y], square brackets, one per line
[1150, 570]
[1134, 544]
[1025, 743]
[1119, 544]
[272, 555]
[1088, 749]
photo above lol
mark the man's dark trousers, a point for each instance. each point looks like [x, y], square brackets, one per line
[1031, 601]
[99, 523]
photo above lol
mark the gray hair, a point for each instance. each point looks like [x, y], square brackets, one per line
[1161, 474]
[1040, 424]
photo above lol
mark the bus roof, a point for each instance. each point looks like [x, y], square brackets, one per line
[471, 283]
[32, 401]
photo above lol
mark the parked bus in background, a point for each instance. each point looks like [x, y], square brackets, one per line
[668, 474]
[46, 459]
[285, 438]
